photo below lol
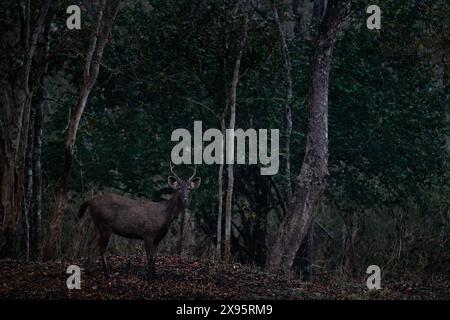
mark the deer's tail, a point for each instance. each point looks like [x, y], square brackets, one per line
[83, 209]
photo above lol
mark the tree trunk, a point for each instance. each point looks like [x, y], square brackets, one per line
[181, 239]
[35, 172]
[311, 182]
[219, 215]
[349, 234]
[309, 272]
[105, 19]
[36, 230]
[12, 192]
[14, 126]
[233, 89]
[288, 103]
[26, 200]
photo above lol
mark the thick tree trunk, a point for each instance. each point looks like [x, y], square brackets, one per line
[303, 262]
[311, 182]
[305, 257]
[106, 14]
[230, 184]
[309, 255]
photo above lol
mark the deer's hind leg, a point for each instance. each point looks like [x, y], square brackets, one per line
[103, 241]
[150, 249]
[92, 245]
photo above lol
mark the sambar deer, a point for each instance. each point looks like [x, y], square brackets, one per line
[138, 219]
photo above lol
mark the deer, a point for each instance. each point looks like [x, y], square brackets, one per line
[138, 219]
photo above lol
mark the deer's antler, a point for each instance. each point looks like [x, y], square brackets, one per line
[171, 170]
[195, 171]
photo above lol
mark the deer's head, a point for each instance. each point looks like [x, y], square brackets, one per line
[183, 188]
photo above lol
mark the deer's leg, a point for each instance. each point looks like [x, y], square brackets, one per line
[150, 249]
[91, 248]
[103, 244]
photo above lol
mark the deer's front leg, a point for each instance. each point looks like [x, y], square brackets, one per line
[150, 249]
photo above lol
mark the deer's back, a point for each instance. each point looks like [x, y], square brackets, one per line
[127, 217]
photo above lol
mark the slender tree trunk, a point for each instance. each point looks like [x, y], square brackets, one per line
[36, 231]
[182, 232]
[349, 234]
[26, 204]
[21, 168]
[222, 164]
[288, 104]
[35, 200]
[106, 14]
[233, 89]
[219, 215]
[311, 182]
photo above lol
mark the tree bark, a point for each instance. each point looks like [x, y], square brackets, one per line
[303, 262]
[14, 126]
[220, 211]
[288, 103]
[311, 182]
[35, 200]
[309, 271]
[106, 15]
[32, 201]
[36, 219]
[181, 239]
[230, 184]
[26, 200]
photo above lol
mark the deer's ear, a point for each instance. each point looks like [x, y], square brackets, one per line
[195, 183]
[173, 182]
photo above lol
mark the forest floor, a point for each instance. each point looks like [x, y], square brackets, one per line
[184, 278]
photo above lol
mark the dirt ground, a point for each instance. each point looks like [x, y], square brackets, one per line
[184, 278]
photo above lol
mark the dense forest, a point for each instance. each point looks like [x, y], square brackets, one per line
[362, 114]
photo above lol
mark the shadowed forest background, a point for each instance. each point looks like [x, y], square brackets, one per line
[169, 63]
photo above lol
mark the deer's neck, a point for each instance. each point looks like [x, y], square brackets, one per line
[174, 206]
